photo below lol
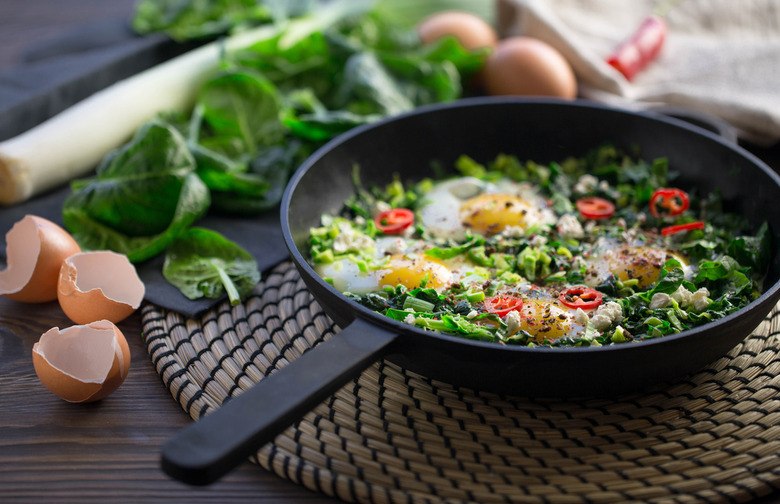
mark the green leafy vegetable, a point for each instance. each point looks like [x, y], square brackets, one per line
[324, 68]
[649, 284]
[241, 112]
[142, 197]
[202, 263]
[184, 20]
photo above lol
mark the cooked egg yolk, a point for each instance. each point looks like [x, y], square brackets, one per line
[411, 270]
[545, 320]
[489, 214]
[641, 263]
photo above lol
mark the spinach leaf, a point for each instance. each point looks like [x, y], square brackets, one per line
[142, 197]
[753, 251]
[184, 20]
[262, 187]
[221, 173]
[670, 281]
[203, 263]
[369, 88]
[241, 112]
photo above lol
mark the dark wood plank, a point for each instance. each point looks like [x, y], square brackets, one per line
[54, 451]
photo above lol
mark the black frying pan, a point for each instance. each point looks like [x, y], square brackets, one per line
[408, 145]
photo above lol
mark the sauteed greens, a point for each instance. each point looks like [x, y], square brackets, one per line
[256, 118]
[589, 251]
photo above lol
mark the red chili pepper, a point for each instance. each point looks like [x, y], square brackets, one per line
[669, 202]
[593, 207]
[635, 53]
[580, 296]
[395, 220]
[670, 230]
[503, 304]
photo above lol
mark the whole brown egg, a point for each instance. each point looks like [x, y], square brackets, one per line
[528, 66]
[470, 30]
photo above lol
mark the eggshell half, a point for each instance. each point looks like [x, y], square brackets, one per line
[99, 285]
[82, 363]
[35, 250]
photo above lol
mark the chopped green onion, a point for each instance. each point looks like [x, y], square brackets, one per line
[475, 296]
[418, 305]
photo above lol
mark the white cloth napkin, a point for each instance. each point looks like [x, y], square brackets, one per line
[721, 57]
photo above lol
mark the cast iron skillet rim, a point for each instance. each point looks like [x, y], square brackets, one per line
[400, 328]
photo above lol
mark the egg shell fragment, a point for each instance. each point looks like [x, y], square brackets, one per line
[82, 363]
[99, 285]
[528, 67]
[470, 30]
[35, 250]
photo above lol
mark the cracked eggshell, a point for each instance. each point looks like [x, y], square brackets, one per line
[82, 363]
[99, 285]
[35, 250]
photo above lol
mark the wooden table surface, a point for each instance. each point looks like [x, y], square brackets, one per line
[108, 452]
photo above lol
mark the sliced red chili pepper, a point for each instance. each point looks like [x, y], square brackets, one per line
[395, 220]
[670, 230]
[669, 202]
[593, 207]
[580, 296]
[503, 304]
[635, 53]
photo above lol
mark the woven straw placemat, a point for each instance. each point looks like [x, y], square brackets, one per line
[392, 436]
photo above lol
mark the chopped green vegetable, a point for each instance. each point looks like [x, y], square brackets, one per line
[640, 283]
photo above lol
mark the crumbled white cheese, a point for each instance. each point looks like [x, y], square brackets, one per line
[606, 315]
[513, 232]
[350, 240]
[683, 296]
[410, 319]
[580, 317]
[660, 300]
[585, 184]
[701, 299]
[538, 241]
[569, 227]
[698, 300]
[472, 314]
[512, 322]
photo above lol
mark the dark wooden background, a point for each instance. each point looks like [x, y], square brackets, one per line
[27, 23]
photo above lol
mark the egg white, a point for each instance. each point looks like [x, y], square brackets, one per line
[628, 262]
[397, 260]
[465, 205]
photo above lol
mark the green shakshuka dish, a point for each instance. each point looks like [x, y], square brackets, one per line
[599, 250]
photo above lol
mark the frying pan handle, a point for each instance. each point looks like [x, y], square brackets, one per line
[207, 449]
